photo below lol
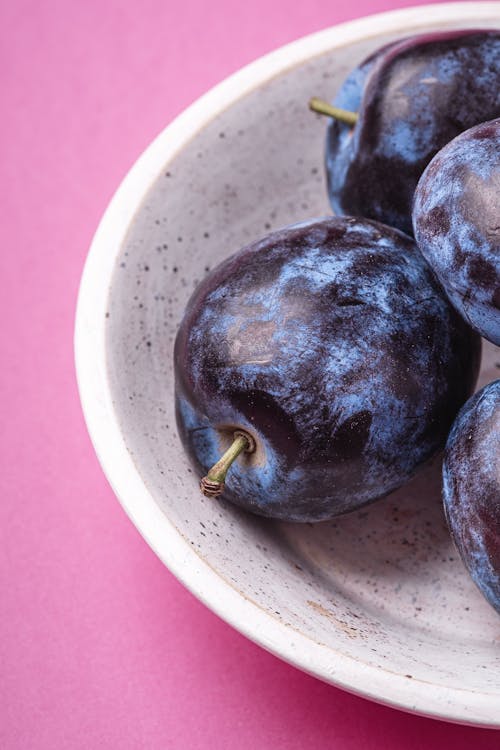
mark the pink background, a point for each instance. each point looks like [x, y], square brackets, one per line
[100, 647]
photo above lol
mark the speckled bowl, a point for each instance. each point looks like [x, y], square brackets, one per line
[377, 601]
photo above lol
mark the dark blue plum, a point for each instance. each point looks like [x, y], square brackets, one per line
[456, 218]
[331, 343]
[471, 488]
[412, 98]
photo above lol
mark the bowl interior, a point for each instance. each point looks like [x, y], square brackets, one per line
[384, 585]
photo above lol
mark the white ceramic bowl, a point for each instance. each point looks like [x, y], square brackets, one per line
[377, 601]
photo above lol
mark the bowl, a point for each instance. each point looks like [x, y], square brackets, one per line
[376, 602]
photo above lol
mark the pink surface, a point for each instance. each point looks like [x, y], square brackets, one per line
[100, 647]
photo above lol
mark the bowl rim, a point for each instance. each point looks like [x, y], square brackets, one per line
[476, 708]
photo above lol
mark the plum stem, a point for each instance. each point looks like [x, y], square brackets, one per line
[212, 485]
[323, 108]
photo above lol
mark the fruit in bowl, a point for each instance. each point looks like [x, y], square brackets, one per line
[373, 601]
[456, 218]
[471, 489]
[410, 99]
[333, 348]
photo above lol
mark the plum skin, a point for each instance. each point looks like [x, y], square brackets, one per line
[413, 97]
[334, 346]
[471, 489]
[456, 219]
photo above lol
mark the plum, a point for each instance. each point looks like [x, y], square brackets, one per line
[456, 219]
[411, 98]
[471, 488]
[331, 351]
[346, 106]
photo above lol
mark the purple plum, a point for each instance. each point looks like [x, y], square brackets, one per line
[471, 489]
[412, 98]
[456, 218]
[333, 348]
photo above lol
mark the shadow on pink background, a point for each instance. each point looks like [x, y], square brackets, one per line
[100, 647]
